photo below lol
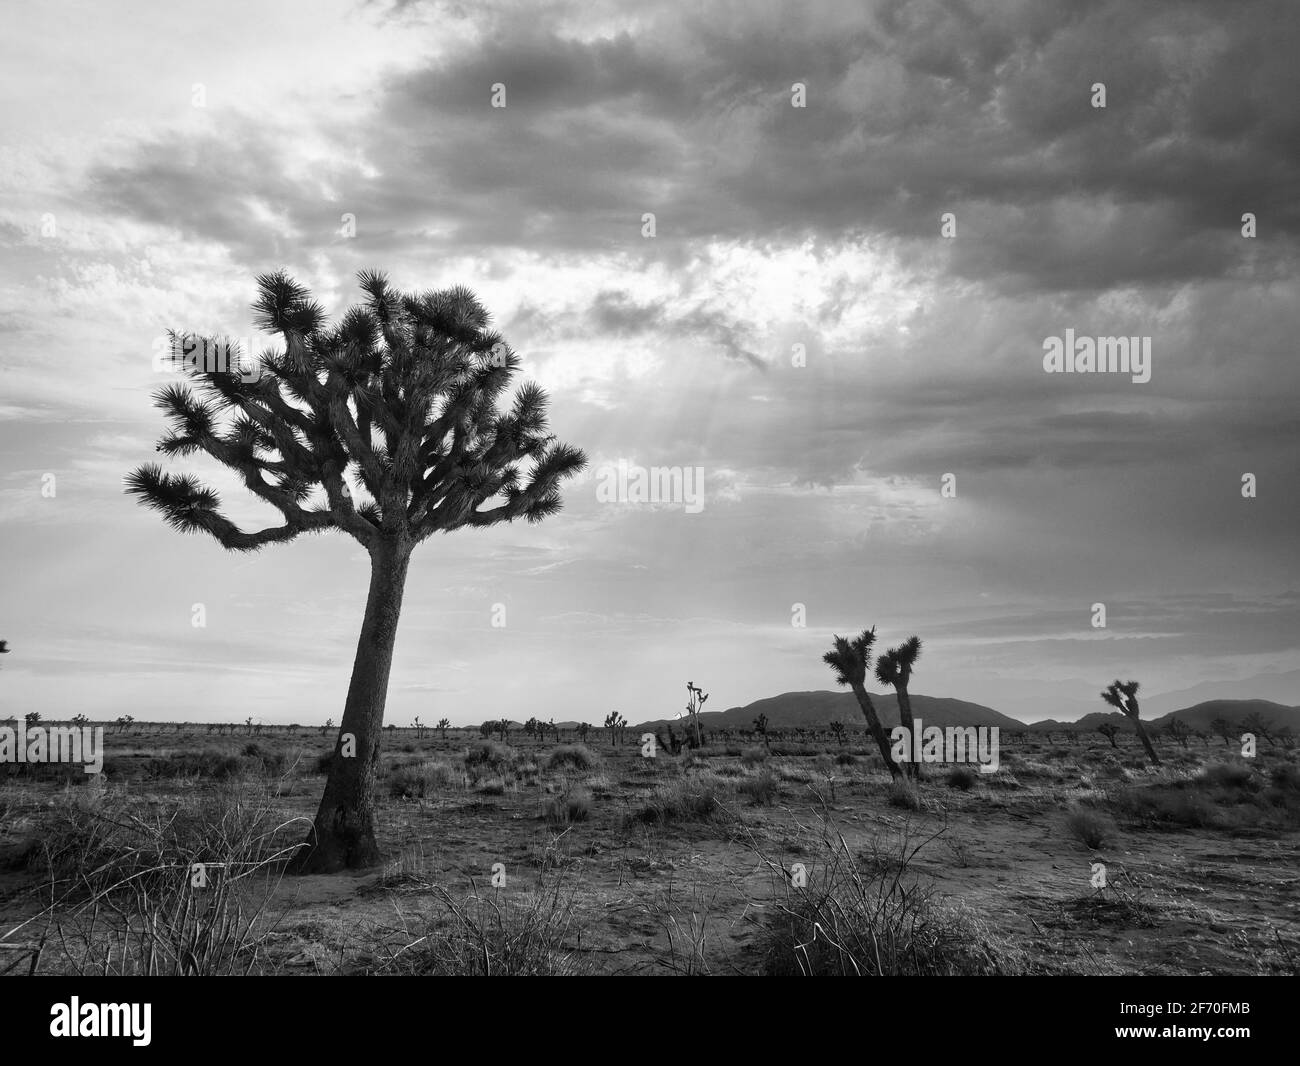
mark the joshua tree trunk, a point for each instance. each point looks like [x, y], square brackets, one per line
[1146, 740]
[905, 716]
[343, 836]
[873, 724]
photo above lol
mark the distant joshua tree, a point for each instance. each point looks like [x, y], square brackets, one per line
[419, 729]
[895, 668]
[760, 727]
[1178, 729]
[329, 724]
[694, 704]
[849, 658]
[383, 426]
[583, 729]
[443, 725]
[838, 732]
[1256, 723]
[615, 723]
[1110, 731]
[1122, 695]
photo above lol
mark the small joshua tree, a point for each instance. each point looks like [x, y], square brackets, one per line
[615, 723]
[32, 717]
[1122, 695]
[583, 729]
[760, 727]
[329, 724]
[694, 704]
[838, 732]
[1109, 730]
[443, 725]
[1256, 723]
[895, 668]
[849, 658]
[1179, 730]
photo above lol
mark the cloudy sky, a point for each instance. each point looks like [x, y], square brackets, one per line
[153, 162]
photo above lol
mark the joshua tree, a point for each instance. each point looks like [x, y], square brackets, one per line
[4, 647]
[419, 729]
[487, 729]
[32, 717]
[1122, 695]
[615, 723]
[694, 704]
[1109, 730]
[329, 724]
[760, 727]
[583, 729]
[838, 732]
[850, 659]
[1179, 730]
[895, 668]
[1258, 724]
[385, 427]
[443, 725]
[532, 727]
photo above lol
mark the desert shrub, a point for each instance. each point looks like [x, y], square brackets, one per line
[416, 782]
[1165, 807]
[795, 774]
[488, 753]
[575, 756]
[1286, 777]
[962, 778]
[824, 765]
[1230, 775]
[687, 800]
[754, 756]
[572, 805]
[872, 920]
[103, 843]
[846, 758]
[1091, 828]
[532, 935]
[761, 789]
[495, 786]
[903, 794]
[210, 763]
[252, 750]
